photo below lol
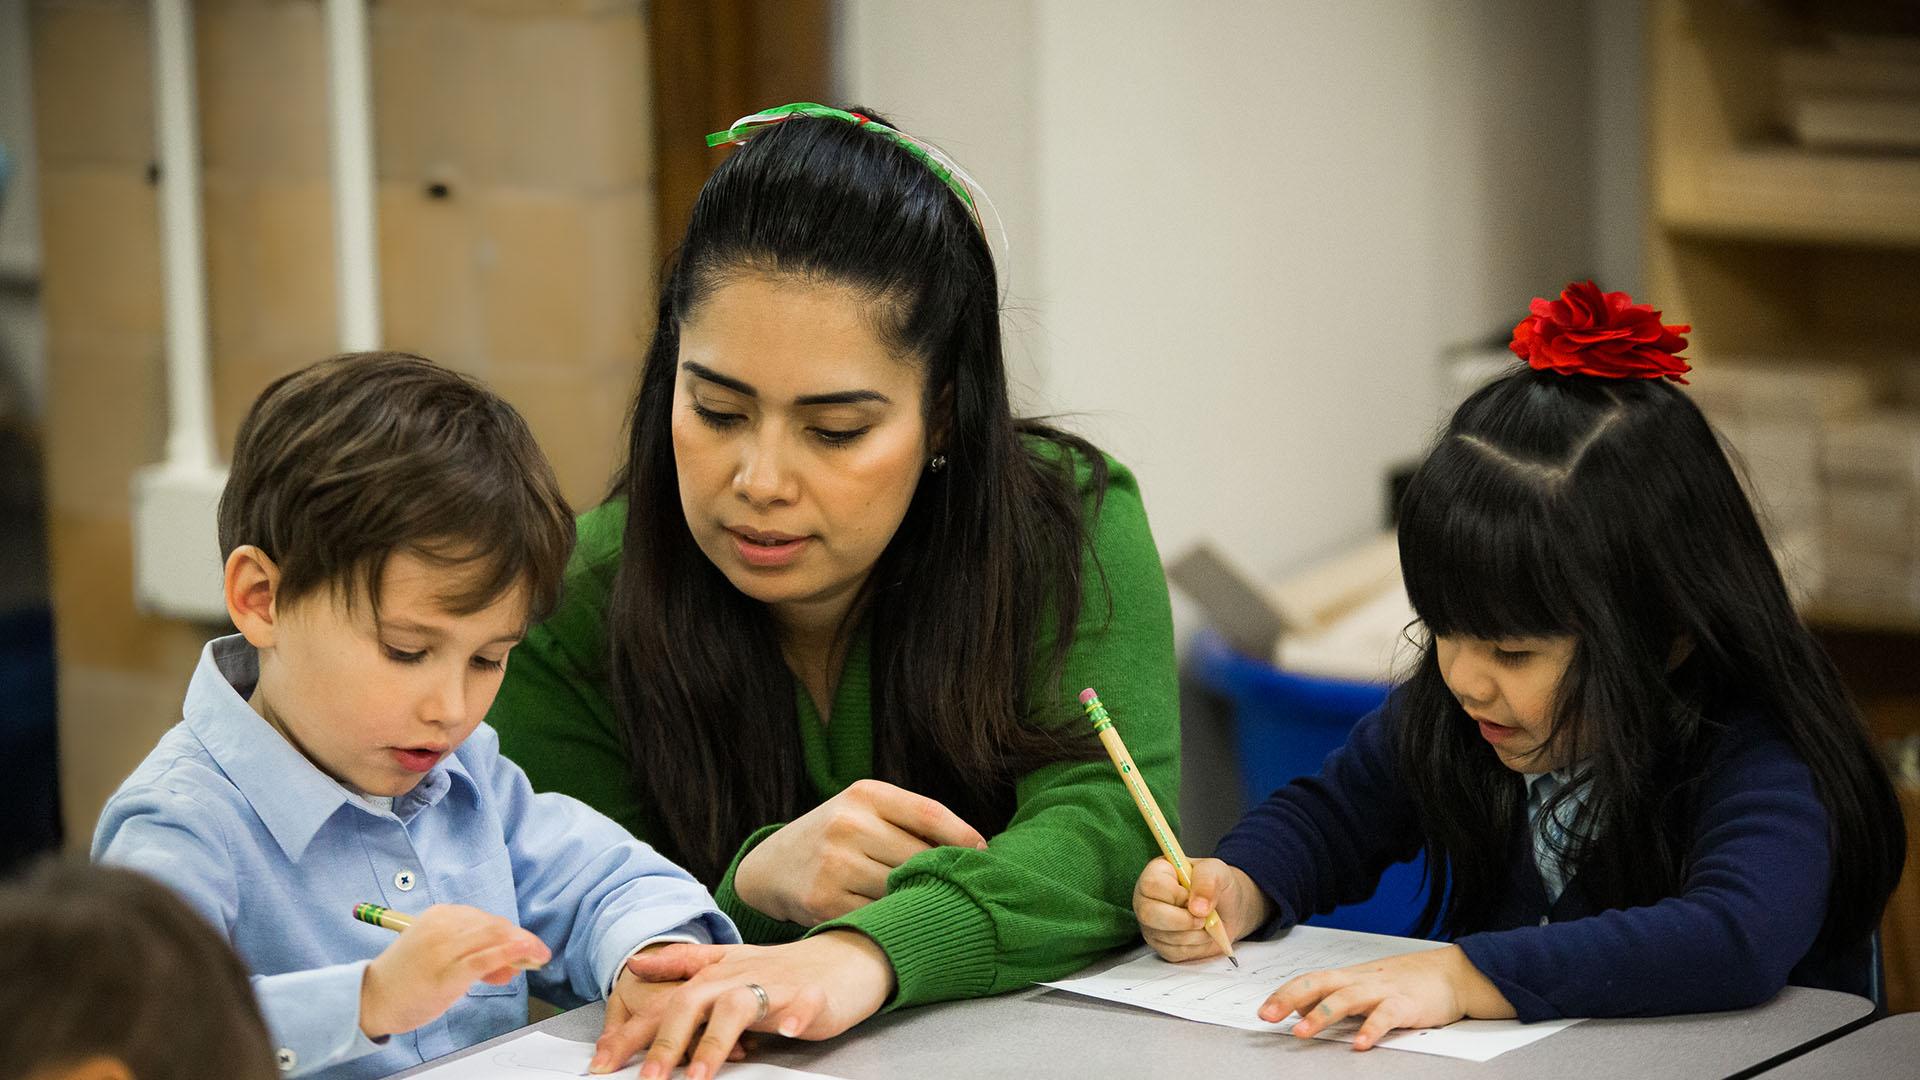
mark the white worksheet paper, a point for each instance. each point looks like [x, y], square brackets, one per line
[540, 1056]
[1214, 992]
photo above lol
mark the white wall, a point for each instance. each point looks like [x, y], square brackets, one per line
[1244, 232]
[963, 76]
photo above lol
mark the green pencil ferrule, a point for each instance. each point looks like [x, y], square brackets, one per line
[1097, 713]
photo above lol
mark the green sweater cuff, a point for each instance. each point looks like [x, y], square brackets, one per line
[939, 940]
[755, 928]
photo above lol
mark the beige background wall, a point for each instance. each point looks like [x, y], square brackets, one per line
[533, 270]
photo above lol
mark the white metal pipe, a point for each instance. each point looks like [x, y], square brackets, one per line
[355, 221]
[182, 246]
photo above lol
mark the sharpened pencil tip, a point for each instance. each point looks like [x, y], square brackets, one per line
[1234, 961]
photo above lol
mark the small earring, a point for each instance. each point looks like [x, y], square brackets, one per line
[938, 462]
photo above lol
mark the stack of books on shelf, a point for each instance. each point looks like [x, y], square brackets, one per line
[1856, 93]
[1871, 464]
[1773, 416]
[1830, 453]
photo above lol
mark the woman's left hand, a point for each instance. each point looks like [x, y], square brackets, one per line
[1412, 990]
[709, 986]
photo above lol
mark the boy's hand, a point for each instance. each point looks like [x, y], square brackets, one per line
[1412, 990]
[814, 988]
[1173, 920]
[633, 996]
[426, 969]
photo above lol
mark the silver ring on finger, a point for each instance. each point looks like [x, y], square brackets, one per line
[766, 1005]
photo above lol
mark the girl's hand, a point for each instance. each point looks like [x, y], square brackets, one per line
[1412, 990]
[432, 963]
[1173, 920]
[816, 988]
[837, 856]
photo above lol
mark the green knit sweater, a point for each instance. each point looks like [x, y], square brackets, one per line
[1049, 894]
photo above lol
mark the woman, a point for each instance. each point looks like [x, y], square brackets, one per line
[824, 640]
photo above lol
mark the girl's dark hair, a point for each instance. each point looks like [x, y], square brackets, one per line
[972, 605]
[1606, 510]
[105, 962]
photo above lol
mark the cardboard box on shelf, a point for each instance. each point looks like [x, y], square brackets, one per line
[1857, 122]
[1733, 389]
[1880, 447]
[1872, 587]
[1341, 618]
[1875, 520]
[1779, 462]
[1846, 68]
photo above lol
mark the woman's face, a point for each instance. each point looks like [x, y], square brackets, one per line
[798, 437]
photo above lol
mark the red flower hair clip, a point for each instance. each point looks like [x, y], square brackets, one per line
[1588, 332]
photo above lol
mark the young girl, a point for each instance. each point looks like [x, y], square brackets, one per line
[1637, 780]
[109, 976]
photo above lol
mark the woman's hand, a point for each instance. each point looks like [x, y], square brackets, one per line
[815, 988]
[1412, 990]
[837, 856]
[1173, 919]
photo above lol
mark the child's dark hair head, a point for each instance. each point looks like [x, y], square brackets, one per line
[1606, 510]
[106, 963]
[345, 462]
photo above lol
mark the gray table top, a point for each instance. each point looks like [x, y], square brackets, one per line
[1039, 1032]
[1886, 1048]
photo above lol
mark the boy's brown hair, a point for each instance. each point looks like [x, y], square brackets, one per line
[342, 463]
[105, 962]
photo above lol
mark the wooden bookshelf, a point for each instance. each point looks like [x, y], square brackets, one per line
[1791, 195]
[1769, 247]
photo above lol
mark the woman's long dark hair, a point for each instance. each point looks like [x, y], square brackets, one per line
[1606, 509]
[983, 577]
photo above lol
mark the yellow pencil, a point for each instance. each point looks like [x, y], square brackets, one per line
[397, 921]
[382, 917]
[1149, 809]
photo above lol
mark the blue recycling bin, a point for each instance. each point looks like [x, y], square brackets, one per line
[1285, 724]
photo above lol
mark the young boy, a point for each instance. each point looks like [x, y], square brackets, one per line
[391, 530]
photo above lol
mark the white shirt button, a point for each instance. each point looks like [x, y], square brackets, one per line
[403, 881]
[286, 1059]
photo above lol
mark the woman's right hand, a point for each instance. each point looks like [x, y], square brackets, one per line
[1173, 919]
[836, 857]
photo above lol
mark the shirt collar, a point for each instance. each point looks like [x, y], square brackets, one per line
[1561, 777]
[290, 794]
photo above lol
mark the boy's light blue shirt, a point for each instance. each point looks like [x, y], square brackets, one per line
[275, 854]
